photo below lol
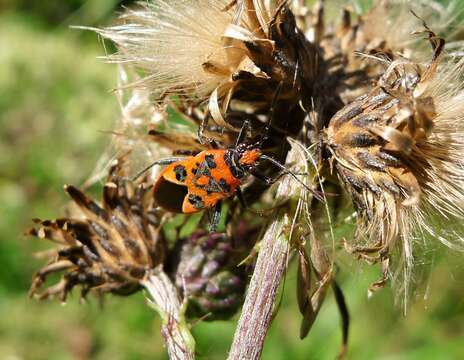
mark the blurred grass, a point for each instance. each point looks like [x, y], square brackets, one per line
[54, 104]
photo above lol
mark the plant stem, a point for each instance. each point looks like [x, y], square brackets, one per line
[259, 303]
[165, 299]
[257, 311]
[270, 269]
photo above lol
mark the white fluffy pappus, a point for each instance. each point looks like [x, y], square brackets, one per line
[438, 165]
[186, 47]
[441, 157]
[170, 41]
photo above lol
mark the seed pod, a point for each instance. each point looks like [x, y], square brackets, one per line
[110, 248]
[396, 151]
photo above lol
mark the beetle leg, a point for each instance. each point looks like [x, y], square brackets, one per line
[167, 161]
[214, 144]
[215, 218]
[216, 129]
[268, 180]
[265, 179]
[268, 124]
[201, 130]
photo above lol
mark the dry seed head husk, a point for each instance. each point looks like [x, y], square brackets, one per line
[250, 46]
[109, 248]
[352, 38]
[391, 22]
[398, 150]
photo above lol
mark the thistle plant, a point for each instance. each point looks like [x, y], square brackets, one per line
[356, 112]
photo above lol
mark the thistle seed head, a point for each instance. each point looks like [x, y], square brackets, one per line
[110, 247]
[395, 150]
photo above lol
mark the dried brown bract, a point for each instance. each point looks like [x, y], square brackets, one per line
[109, 249]
[389, 150]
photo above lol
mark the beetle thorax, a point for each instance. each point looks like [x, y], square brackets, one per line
[249, 157]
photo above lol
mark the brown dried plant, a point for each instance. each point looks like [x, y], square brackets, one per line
[109, 248]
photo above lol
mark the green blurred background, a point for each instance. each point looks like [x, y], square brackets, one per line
[55, 106]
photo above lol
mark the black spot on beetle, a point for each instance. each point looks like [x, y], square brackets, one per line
[209, 159]
[213, 187]
[224, 185]
[196, 201]
[181, 173]
[203, 170]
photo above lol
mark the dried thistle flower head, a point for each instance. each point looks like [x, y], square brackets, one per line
[249, 45]
[183, 47]
[350, 46]
[110, 248]
[396, 150]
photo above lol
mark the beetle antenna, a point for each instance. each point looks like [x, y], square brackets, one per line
[166, 161]
[317, 194]
[140, 173]
[268, 124]
[243, 132]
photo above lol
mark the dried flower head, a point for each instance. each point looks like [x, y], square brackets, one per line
[396, 150]
[247, 45]
[177, 52]
[110, 249]
[350, 46]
